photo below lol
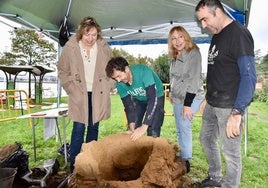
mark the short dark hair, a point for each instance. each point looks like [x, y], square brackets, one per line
[212, 4]
[116, 63]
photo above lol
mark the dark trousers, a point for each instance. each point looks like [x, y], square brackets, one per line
[78, 132]
[158, 118]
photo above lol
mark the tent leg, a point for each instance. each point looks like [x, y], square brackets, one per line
[246, 131]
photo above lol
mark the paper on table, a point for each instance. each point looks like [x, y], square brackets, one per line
[49, 128]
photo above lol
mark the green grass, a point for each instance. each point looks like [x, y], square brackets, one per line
[255, 163]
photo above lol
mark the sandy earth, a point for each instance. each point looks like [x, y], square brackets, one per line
[117, 162]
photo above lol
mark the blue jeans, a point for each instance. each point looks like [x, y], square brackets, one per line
[214, 128]
[78, 132]
[184, 128]
[158, 118]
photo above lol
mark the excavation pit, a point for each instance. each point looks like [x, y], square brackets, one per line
[117, 161]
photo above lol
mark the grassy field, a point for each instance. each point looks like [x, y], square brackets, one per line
[255, 162]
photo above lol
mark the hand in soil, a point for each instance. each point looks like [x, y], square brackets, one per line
[139, 132]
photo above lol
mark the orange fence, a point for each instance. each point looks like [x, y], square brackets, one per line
[166, 90]
[13, 103]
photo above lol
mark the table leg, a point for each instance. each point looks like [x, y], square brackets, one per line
[58, 130]
[64, 140]
[34, 142]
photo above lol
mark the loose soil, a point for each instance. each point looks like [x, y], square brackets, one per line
[118, 162]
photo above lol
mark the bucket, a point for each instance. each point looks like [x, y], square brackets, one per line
[7, 176]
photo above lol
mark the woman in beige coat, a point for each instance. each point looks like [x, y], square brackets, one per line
[81, 70]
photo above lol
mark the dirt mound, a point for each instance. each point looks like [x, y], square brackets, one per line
[118, 162]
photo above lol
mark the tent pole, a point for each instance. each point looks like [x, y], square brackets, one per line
[58, 81]
[67, 12]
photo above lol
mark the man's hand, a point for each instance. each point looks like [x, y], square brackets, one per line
[139, 132]
[233, 126]
[131, 128]
[202, 106]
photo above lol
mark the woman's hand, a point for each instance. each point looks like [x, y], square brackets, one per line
[187, 113]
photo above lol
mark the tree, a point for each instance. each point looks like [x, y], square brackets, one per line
[262, 72]
[120, 52]
[145, 60]
[257, 56]
[161, 67]
[131, 59]
[28, 48]
[7, 58]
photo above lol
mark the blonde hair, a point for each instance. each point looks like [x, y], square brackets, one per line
[172, 52]
[85, 25]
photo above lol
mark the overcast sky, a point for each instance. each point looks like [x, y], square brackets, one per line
[258, 25]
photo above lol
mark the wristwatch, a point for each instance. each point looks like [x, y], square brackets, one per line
[235, 112]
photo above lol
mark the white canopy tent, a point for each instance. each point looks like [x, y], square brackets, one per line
[123, 21]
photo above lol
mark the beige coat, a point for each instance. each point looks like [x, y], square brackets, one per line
[72, 77]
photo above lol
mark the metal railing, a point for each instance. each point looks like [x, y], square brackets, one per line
[13, 103]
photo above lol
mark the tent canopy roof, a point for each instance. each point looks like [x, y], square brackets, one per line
[122, 21]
